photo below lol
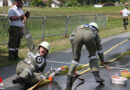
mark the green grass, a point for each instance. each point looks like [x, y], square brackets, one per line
[76, 10]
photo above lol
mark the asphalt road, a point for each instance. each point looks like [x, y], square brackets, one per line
[64, 58]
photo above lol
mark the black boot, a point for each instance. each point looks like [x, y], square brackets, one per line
[125, 27]
[16, 55]
[68, 88]
[11, 56]
[97, 77]
[70, 80]
[19, 80]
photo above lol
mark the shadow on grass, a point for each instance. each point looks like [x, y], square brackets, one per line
[7, 68]
[3, 50]
[5, 62]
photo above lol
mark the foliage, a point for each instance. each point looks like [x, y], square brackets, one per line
[62, 2]
[83, 2]
[123, 1]
[37, 3]
[40, 3]
[48, 3]
[72, 3]
[88, 2]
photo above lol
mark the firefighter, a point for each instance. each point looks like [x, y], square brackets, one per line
[125, 13]
[16, 17]
[86, 34]
[30, 69]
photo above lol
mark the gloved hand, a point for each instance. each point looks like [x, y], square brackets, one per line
[71, 39]
[27, 14]
[106, 67]
[22, 17]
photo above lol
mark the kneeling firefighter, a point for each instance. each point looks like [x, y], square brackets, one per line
[86, 34]
[30, 69]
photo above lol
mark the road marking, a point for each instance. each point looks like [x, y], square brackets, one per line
[115, 46]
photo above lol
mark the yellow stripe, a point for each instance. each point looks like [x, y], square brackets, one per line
[115, 46]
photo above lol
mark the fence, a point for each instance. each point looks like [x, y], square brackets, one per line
[40, 27]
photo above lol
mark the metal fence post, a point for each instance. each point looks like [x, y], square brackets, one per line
[96, 18]
[83, 19]
[106, 21]
[66, 26]
[43, 27]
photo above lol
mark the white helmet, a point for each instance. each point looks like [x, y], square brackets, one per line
[94, 24]
[45, 44]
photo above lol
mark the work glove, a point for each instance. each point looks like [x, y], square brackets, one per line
[105, 66]
[22, 17]
[27, 14]
[71, 39]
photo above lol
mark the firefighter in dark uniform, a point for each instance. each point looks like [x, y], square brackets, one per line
[86, 34]
[16, 17]
[30, 69]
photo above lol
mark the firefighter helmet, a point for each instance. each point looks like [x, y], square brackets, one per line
[94, 24]
[45, 44]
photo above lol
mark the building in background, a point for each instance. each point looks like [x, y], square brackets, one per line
[27, 3]
[6, 3]
[9, 3]
[55, 4]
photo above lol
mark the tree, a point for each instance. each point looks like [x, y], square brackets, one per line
[62, 1]
[37, 3]
[72, 2]
[48, 3]
[83, 2]
[123, 1]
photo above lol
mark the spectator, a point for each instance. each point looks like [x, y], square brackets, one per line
[16, 17]
[125, 13]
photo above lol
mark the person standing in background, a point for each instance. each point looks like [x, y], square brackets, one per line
[16, 17]
[125, 13]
